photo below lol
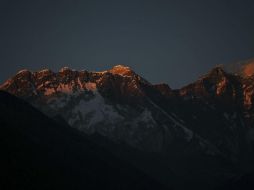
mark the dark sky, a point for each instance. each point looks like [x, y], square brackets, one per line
[163, 40]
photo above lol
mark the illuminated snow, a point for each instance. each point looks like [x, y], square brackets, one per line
[97, 108]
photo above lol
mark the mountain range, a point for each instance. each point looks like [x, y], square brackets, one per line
[199, 136]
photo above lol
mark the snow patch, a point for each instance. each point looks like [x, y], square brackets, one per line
[95, 111]
[188, 132]
[44, 71]
[64, 69]
[147, 118]
[23, 71]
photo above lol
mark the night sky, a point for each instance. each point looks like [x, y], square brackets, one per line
[162, 40]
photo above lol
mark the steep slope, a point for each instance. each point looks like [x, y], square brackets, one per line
[213, 107]
[39, 153]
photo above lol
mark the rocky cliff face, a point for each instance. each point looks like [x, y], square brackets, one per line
[213, 114]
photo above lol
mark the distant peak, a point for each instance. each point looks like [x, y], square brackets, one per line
[122, 70]
[65, 69]
[217, 71]
[23, 71]
[45, 71]
[243, 68]
[163, 88]
[121, 66]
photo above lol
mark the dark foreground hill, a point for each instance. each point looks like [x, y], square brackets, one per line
[39, 153]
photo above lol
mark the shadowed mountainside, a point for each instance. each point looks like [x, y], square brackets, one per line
[39, 153]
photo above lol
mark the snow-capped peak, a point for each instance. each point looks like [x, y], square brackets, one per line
[122, 70]
[23, 71]
[65, 69]
[45, 71]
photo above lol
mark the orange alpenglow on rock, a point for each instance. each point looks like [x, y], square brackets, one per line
[248, 70]
[121, 70]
